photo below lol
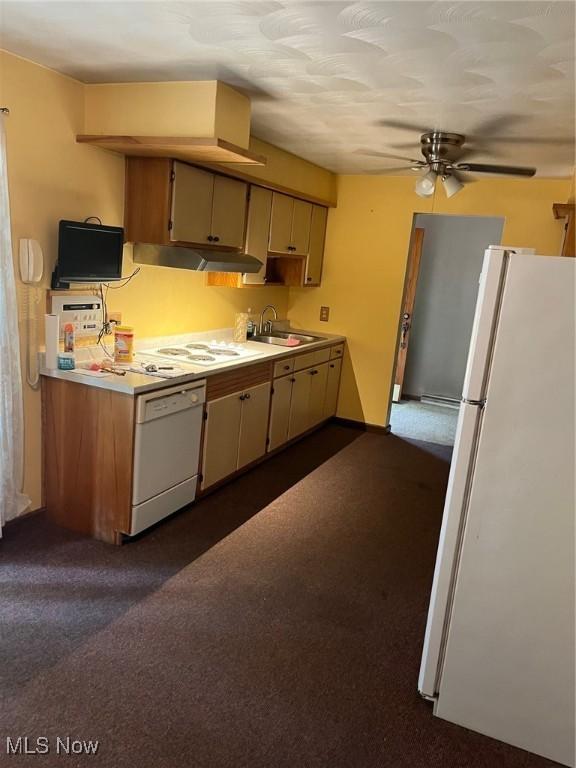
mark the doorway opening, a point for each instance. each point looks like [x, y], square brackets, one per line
[441, 286]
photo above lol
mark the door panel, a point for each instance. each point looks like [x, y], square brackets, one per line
[300, 403]
[281, 223]
[221, 438]
[280, 413]
[332, 387]
[316, 247]
[254, 424]
[191, 204]
[317, 394]
[257, 233]
[229, 211]
[301, 218]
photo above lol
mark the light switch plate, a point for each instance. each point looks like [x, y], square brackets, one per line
[324, 314]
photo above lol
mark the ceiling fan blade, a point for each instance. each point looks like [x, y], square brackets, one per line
[509, 170]
[402, 125]
[379, 171]
[561, 141]
[491, 124]
[373, 153]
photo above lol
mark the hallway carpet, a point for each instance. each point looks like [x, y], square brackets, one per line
[278, 623]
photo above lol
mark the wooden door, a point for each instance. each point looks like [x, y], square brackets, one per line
[258, 230]
[332, 388]
[300, 236]
[229, 211]
[407, 309]
[300, 403]
[191, 204]
[221, 438]
[254, 424]
[280, 412]
[281, 223]
[316, 247]
[319, 376]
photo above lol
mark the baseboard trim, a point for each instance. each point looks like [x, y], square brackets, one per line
[363, 425]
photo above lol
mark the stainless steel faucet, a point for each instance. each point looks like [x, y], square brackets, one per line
[268, 325]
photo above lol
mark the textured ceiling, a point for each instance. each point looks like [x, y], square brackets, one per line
[323, 74]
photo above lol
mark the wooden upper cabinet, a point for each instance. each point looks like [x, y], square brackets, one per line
[258, 228]
[316, 247]
[229, 211]
[192, 194]
[172, 202]
[281, 223]
[301, 219]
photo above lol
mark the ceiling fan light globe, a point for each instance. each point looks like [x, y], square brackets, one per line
[426, 184]
[452, 185]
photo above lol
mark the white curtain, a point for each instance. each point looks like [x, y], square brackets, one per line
[12, 501]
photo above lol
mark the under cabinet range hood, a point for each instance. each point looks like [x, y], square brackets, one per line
[198, 259]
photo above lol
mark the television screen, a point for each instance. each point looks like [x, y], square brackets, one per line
[89, 252]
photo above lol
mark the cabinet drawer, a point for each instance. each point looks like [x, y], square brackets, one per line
[336, 351]
[304, 361]
[282, 367]
[321, 356]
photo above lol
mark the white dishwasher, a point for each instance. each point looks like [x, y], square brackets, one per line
[166, 452]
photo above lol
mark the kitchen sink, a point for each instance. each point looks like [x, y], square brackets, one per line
[286, 339]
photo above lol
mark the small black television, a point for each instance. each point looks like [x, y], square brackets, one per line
[89, 253]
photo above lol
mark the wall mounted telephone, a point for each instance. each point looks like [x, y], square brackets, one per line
[31, 271]
[31, 261]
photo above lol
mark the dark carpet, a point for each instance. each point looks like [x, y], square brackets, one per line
[277, 623]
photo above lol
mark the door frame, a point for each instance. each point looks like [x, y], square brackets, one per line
[401, 312]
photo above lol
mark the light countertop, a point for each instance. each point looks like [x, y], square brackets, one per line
[136, 383]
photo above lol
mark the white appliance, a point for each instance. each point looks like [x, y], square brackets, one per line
[166, 452]
[201, 353]
[499, 647]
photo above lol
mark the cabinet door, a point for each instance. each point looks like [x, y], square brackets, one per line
[229, 211]
[192, 194]
[317, 394]
[301, 219]
[281, 223]
[316, 248]
[300, 403]
[221, 436]
[332, 387]
[254, 424]
[259, 210]
[280, 412]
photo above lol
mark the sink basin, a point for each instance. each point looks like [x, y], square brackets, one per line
[286, 339]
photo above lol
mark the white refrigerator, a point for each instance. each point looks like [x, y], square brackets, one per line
[499, 648]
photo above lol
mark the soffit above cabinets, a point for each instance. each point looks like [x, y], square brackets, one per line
[321, 75]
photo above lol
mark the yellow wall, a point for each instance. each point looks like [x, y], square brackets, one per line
[365, 261]
[51, 177]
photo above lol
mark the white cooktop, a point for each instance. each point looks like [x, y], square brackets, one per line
[175, 359]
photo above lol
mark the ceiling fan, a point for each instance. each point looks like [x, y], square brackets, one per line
[445, 158]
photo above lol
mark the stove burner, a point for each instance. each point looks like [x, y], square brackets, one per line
[196, 346]
[173, 351]
[227, 352]
[201, 357]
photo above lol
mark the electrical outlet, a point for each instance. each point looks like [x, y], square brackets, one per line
[324, 314]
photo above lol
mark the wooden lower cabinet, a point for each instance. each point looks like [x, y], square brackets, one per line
[299, 404]
[319, 378]
[254, 424]
[280, 412]
[334, 368]
[235, 432]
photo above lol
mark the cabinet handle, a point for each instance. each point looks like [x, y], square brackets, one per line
[242, 397]
[308, 279]
[286, 367]
[292, 379]
[247, 396]
[332, 365]
[210, 238]
[216, 239]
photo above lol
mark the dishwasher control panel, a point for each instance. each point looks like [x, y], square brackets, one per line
[164, 402]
